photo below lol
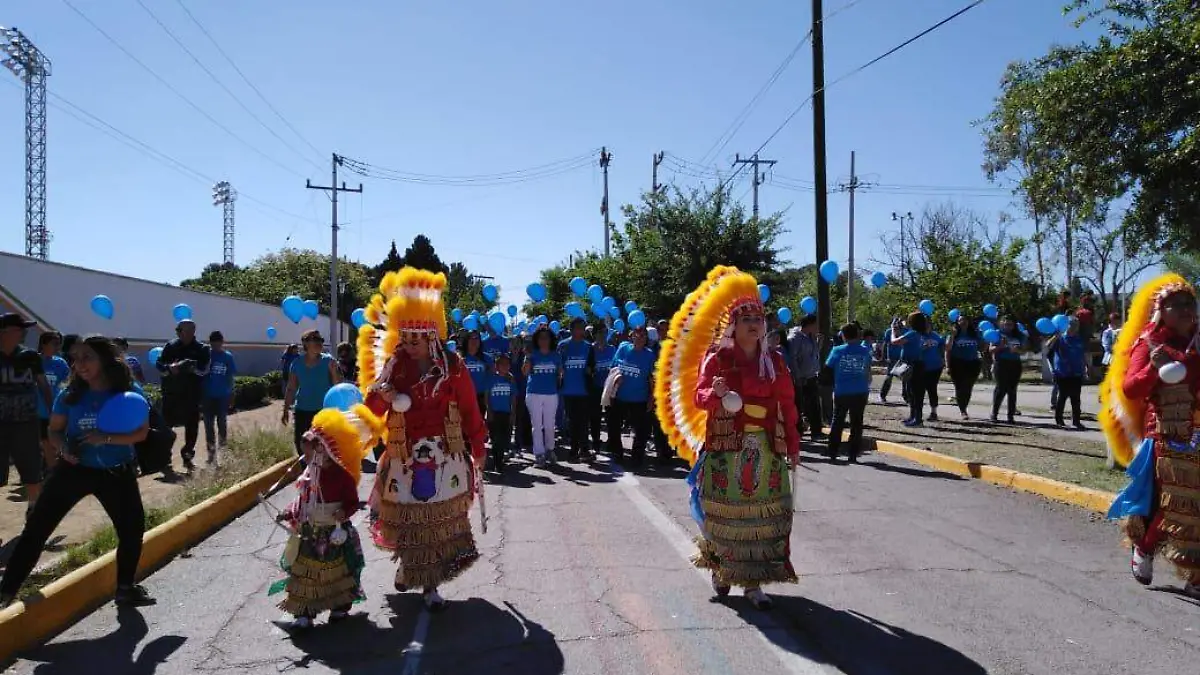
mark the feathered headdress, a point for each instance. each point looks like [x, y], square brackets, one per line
[346, 436]
[1123, 419]
[703, 323]
[409, 301]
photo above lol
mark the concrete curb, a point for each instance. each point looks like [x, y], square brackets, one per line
[63, 601]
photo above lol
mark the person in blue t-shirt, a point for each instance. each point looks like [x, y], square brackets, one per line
[310, 377]
[632, 402]
[850, 363]
[92, 461]
[891, 356]
[911, 343]
[57, 373]
[963, 357]
[1067, 358]
[603, 351]
[218, 391]
[477, 363]
[579, 363]
[1007, 355]
[501, 398]
[933, 358]
[543, 372]
[495, 345]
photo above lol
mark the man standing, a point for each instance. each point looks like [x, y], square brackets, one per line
[22, 381]
[804, 352]
[182, 363]
[578, 365]
[218, 391]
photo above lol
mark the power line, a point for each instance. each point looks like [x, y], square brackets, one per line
[221, 84]
[540, 172]
[179, 94]
[245, 79]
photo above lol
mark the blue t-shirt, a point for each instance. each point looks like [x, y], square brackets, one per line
[1067, 356]
[500, 392]
[543, 373]
[57, 371]
[1015, 339]
[496, 345]
[218, 383]
[891, 351]
[135, 366]
[912, 348]
[314, 382]
[479, 367]
[81, 419]
[636, 366]
[965, 348]
[851, 366]
[604, 361]
[933, 350]
[575, 356]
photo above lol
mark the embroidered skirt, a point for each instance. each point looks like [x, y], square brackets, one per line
[423, 507]
[745, 499]
[1177, 469]
[323, 576]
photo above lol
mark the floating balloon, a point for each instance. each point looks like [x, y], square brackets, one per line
[579, 286]
[457, 315]
[181, 312]
[311, 309]
[542, 320]
[926, 307]
[637, 318]
[471, 322]
[630, 306]
[358, 317]
[153, 355]
[102, 307]
[451, 346]
[785, 315]
[829, 271]
[808, 305]
[124, 413]
[342, 396]
[595, 293]
[609, 301]
[614, 312]
[555, 326]
[991, 336]
[490, 293]
[1021, 327]
[985, 326]
[954, 315]
[619, 326]
[293, 308]
[536, 292]
[764, 293]
[879, 280]
[991, 311]
[496, 321]
[512, 311]
[271, 332]
[1061, 322]
[652, 333]
[573, 309]
[1045, 326]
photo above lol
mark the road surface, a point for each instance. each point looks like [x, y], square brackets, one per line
[904, 570]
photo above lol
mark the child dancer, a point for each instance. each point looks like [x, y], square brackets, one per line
[501, 396]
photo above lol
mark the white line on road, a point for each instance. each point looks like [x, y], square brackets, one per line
[784, 645]
[412, 653]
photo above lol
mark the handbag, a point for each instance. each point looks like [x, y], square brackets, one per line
[902, 370]
[154, 453]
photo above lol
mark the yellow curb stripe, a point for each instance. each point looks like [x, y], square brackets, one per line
[63, 601]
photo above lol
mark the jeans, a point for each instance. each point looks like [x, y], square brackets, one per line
[638, 415]
[543, 408]
[964, 373]
[1069, 388]
[500, 431]
[577, 422]
[117, 492]
[595, 417]
[1008, 376]
[183, 410]
[916, 390]
[808, 400]
[215, 409]
[852, 405]
[302, 421]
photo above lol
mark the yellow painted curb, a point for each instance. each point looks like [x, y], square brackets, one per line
[63, 601]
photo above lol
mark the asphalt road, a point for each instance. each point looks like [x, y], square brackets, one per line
[903, 570]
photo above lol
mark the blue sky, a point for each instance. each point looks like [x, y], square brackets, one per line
[473, 87]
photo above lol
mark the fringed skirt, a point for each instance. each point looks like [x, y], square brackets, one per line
[423, 518]
[322, 576]
[745, 499]
[1177, 468]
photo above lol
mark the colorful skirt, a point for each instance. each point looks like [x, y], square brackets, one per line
[423, 507]
[1177, 468]
[322, 576]
[745, 514]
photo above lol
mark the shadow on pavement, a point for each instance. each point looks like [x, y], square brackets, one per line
[111, 653]
[910, 471]
[857, 643]
[476, 636]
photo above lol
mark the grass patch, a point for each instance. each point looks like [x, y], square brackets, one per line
[249, 453]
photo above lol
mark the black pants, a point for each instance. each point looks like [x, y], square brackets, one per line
[481, 401]
[303, 421]
[577, 422]
[638, 417]
[662, 447]
[595, 417]
[115, 489]
[523, 424]
[183, 410]
[964, 373]
[808, 400]
[1068, 388]
[500, 431]
[1008, 376]
[929, 385]
[852, 405]
[916, 390]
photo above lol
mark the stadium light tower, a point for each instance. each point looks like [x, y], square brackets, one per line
[225, 195]
[32, 67]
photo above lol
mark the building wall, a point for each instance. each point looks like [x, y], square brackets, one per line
[59, 298]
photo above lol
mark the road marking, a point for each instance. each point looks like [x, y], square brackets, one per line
[412, 653]
[785, 645]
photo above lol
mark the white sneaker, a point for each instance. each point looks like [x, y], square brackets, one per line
[301, 623]
[758, 598]
[434, 601]
[1142, 567]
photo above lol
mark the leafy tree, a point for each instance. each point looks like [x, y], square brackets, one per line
[392, 263]
[464, 291]
[422, 256]
[1111, 262]
[1186, 265]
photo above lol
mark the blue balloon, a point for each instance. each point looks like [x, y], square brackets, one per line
[637, 318]
[614, 312]
[785, 315]
[830, 271]
[542, 319]
[609, 301]
[124, 413]
[579, 286]
[630, 306]
[599, 310]
[991, 336]
[311, 309]
[764, 293]
[954, 315]
[452, 346]
[595, 293]
[490, 292]
[497, 321]
[153, 355]
[1045, 326]
[926, 307]
[181, 312]
[536, 292]
[471, 323]
[555, 326]
[1021, 327]
[808, 305]
[619, 326]
[343, 396]
[879, 280]
[358, 317]
[991, 311]
[512, 311]
[102, 307]
[1061, 322]
[985, 326]
[271, 332]
[457, 315]
[293, 308]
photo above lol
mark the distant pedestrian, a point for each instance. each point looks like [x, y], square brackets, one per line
[135, 366]
[182, 363]
[218, 394]
[311, 377]
[22, 383]
[850, 363]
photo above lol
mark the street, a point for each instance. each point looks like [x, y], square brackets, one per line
[903, 570]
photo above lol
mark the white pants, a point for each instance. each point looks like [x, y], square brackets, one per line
[542, 411]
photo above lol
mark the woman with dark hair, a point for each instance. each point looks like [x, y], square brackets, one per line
[312, 376]
[544, 369]
[1007, 354]
[478, 364]
[91, 462]
[911, 341]
[962, 352]
[68, 342]
[632, 402]
[57, 372]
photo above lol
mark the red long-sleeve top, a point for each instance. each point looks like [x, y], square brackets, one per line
[743, 378]
[1141, 378]
[427, 416]
[337, 487]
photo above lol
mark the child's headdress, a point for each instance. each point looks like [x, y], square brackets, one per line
[346, 436]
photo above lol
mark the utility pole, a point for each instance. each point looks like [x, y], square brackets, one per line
[902, 218]
[335, 333]
[759, 178]
[224, 195]
[851, 187]
[32, 67]
[821, 203]
[605, 159]
[654, 186]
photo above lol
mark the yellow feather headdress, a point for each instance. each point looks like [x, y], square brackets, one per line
[696, 329]
[1123, 419]
[408, 301]
[347, 436]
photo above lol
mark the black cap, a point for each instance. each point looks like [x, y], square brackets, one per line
[216, 336]
[13, 320]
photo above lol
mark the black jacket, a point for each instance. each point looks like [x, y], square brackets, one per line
[187, 382]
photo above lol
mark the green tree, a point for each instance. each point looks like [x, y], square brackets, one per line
[392, 263]
[422, 255]
[1186, 265]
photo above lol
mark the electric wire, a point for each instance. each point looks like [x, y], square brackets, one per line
[513, 177]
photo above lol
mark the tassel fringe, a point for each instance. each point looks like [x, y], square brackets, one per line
[745, 573]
